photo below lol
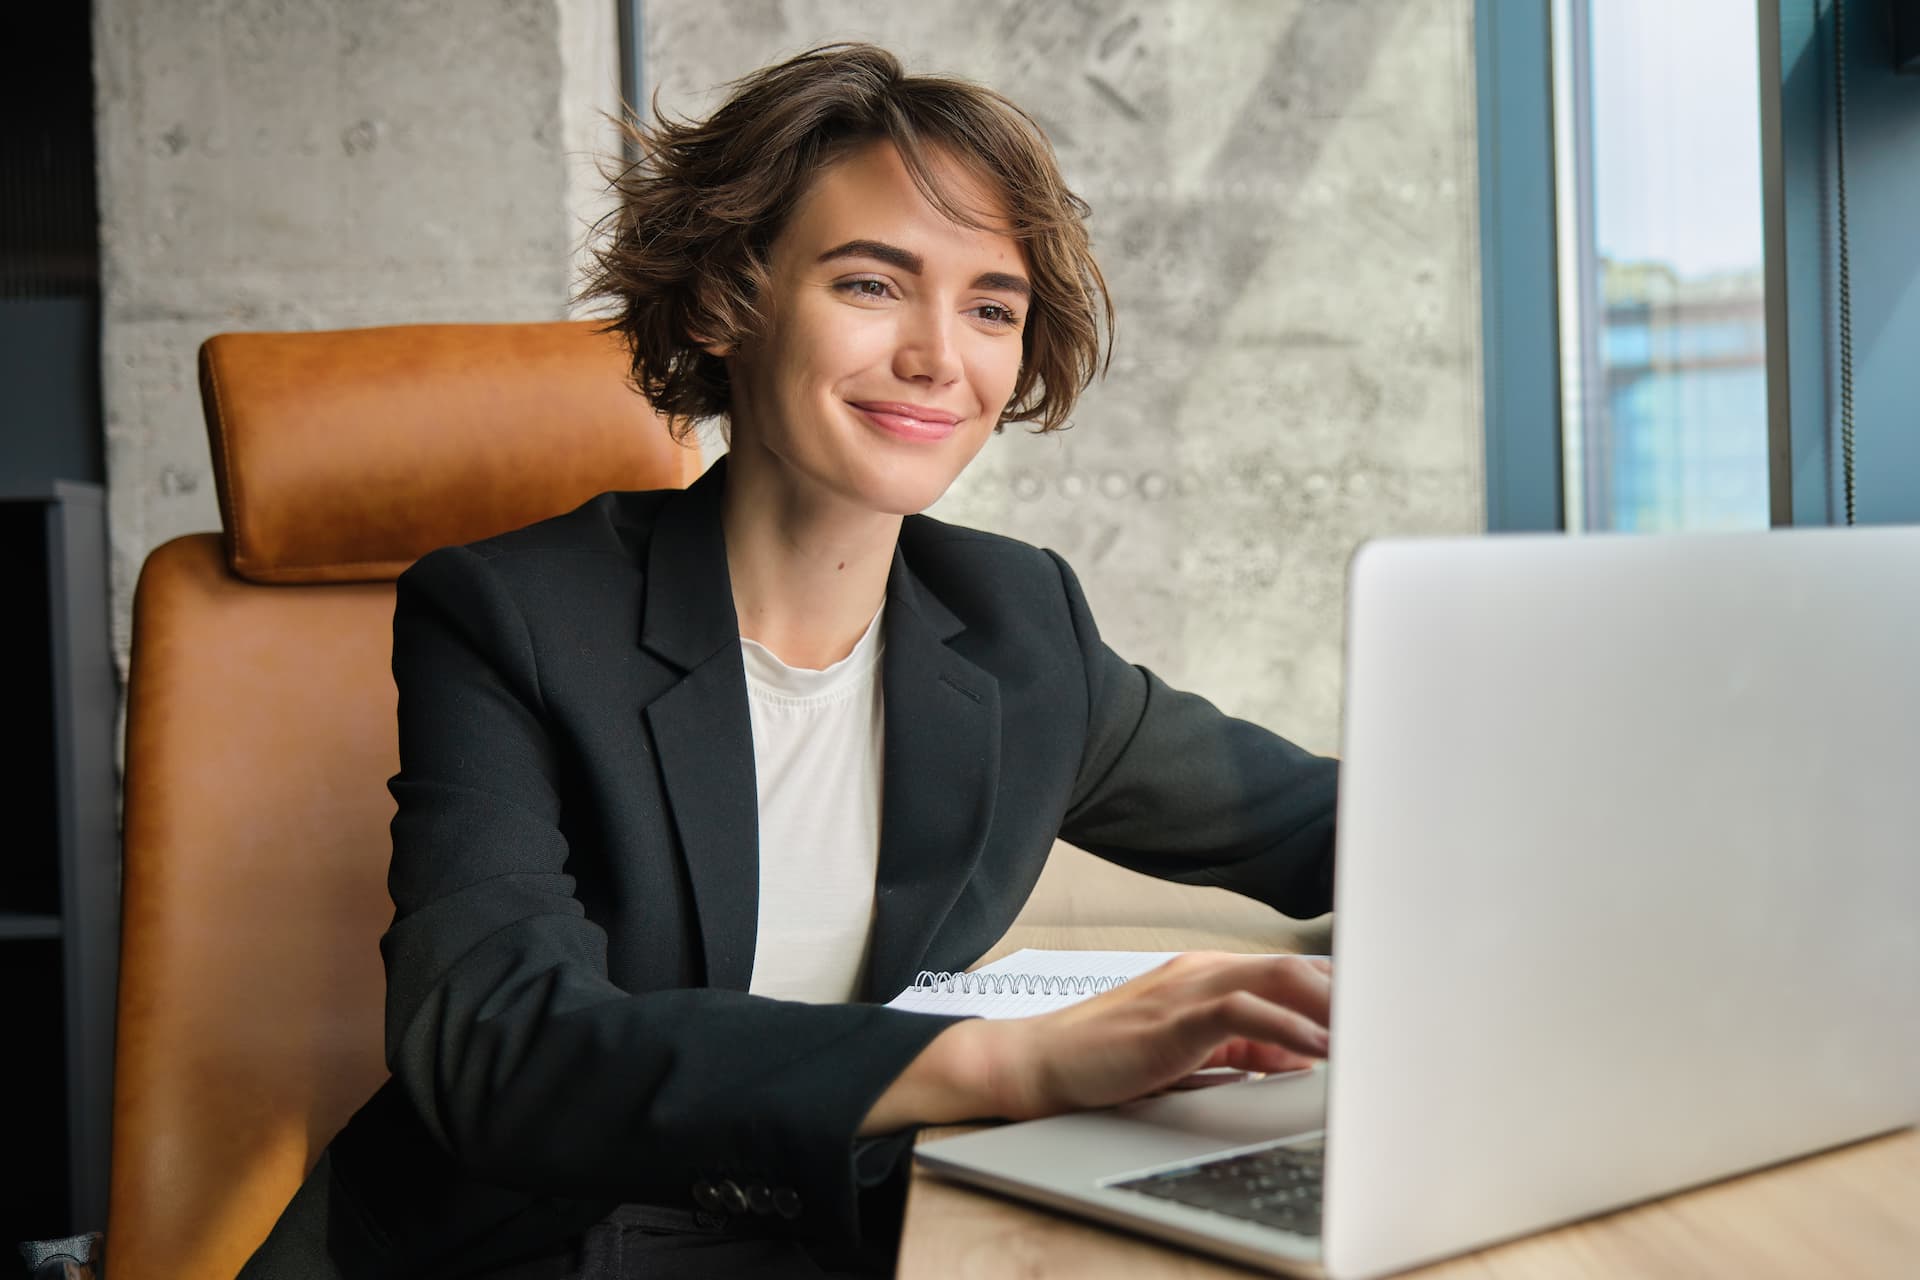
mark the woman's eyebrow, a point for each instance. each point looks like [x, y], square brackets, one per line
[914, 264]
[1005, 283]
[879, 250]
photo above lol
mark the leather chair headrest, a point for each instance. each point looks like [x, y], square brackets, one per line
[344, 456]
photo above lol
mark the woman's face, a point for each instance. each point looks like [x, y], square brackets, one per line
[893, 338]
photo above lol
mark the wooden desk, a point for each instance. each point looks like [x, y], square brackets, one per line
[1852, 1213]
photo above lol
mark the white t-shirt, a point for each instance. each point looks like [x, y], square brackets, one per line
[817, 738]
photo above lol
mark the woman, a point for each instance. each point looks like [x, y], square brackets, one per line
[690, 782]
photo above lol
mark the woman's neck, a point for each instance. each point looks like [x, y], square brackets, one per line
[808, 573]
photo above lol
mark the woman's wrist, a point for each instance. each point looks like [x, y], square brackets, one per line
[951, 1080]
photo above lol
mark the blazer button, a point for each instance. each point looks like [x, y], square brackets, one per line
[732, 1198]
[760, 1198]
[786, 1202]
[706, 1195]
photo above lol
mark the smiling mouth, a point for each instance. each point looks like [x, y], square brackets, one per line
[908, 421]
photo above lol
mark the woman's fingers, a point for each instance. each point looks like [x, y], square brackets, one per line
[1253, 1017]
[1294, 982]
[1254, 1055]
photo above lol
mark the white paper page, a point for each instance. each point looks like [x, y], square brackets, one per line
[1039, 964]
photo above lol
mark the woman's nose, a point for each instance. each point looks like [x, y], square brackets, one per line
[927, 350]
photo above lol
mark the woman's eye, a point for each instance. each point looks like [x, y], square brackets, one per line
[865, 288]
[994, 313]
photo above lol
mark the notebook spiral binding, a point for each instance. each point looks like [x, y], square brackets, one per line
[1025, 984]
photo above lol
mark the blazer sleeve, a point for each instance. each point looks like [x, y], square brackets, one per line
[1171, 786]
[522, 1058]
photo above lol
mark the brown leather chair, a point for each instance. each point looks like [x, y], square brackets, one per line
[260, 735]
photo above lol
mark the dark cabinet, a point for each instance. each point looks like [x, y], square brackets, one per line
[59, 862]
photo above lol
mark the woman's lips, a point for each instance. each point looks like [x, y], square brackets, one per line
[908, 421]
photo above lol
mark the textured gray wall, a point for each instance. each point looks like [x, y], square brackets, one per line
[305, 164]
[1282, 196]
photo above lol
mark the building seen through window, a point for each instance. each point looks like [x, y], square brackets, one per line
[1686, 398]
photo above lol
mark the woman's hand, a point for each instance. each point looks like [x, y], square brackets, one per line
[1201, 1009]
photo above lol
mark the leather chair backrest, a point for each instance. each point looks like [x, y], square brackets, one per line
[260, 735]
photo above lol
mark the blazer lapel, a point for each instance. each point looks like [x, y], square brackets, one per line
[942, 751]
[702, 735]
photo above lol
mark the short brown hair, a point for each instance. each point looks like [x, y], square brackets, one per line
[685, 252]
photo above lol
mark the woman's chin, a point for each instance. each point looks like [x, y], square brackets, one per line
[901, 504]
[905, 495]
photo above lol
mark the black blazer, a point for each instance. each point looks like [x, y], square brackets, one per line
[575, 873]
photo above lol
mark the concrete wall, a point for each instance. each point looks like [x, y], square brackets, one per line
[1283, 204]
[305, 164]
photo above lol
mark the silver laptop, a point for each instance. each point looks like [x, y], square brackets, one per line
[1627, 900]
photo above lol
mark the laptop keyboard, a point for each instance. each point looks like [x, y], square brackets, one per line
[1274, 1186]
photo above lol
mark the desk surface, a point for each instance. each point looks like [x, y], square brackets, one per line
[1853, 1212]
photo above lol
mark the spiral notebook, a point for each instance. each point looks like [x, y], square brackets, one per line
[1028, 982]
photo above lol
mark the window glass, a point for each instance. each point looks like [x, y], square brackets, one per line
[1664, 338]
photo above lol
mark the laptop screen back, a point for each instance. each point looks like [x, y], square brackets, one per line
[1629, 871]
